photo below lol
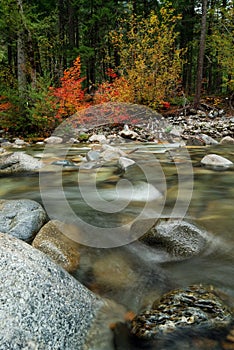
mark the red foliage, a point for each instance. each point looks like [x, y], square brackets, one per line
[166, 105]
[71, 95]
[4, 104]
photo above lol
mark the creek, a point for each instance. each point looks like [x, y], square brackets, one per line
[163, 184]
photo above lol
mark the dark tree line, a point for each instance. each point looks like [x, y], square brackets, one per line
[40, 39]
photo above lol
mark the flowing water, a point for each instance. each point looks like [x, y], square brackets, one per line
[133, 274]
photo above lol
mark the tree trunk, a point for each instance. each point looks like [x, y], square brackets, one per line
[21, 57]
[201, 55]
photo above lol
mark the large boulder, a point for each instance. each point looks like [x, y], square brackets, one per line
[21, 218]
[43, 307]
[18, 162]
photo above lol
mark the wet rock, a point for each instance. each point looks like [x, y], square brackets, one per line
[113, 270]
[179, 238]
[196, 308]
[216, 162]
[64, 163]
[92, 156]
[125, 163]
[18, 162]
[21, 218]
[63, 251]
[43, 307]
[20, 143]
[53, 140]
[227, 140]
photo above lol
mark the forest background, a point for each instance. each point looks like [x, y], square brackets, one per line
[60, 56]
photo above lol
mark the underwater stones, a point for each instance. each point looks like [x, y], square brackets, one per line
[179, 238]
[18, 162]
[21, 218]
[196, 308]
[63, 251]
[216, 162]
[113, 270]
[42, 306]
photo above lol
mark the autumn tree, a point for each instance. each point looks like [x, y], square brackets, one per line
[150, 63]
[70, 95]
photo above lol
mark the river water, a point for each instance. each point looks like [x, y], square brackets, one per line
[164, 183]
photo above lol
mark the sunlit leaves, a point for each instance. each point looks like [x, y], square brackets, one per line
[150, 62]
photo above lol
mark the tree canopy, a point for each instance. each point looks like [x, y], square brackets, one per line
[142, 51]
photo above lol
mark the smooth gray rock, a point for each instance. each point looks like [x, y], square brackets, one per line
[216, 162]
[208, 139]
[53, 140]
[18, 162]
[125, 163]
[98, 138]
[43, 307]
[21, 218]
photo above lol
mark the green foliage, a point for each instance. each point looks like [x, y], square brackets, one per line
[32, 115]
[221, 45]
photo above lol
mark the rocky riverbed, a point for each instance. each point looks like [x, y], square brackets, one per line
[45, 303]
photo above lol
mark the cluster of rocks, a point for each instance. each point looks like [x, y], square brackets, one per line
[100, 153]
[200, 122]
[43, 306]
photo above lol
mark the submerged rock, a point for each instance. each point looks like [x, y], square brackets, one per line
[43, 307]
[63, 251]
[21, 218]
[196, 308]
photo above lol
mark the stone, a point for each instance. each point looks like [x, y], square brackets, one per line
[18, 162]
[216, 162]
[196, 308]
[98, 138]
[179, 238]
[128, 133]
[64, 163]
[62, 250]
[20, 142]
[114, 271]
[208, 139]
[43, 307]
[53, 140]
[21, 218]
[227, 140]
[92, 156]
[125, 163]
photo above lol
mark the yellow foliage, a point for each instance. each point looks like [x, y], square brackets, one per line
[149, 59]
